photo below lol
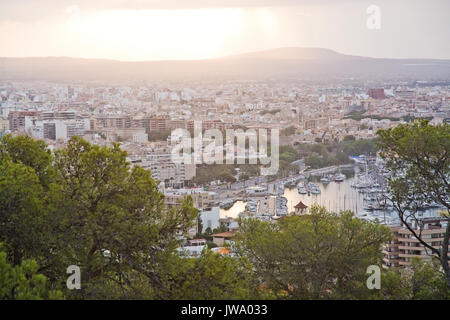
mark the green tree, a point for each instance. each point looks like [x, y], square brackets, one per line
[427, 281]
[422, 281]
[160, 135]
[244, 176]
[316, 256]
[211, 245]
[199, 225]
[289, 131]
[417, 154]
[211, 277]
[26, 178]
[394, 286]
[220, 229]
[226, 177]
[342, 157]
[22, 282]
[112, 217]
[29, 152]
[22, 221]
[349, 138]
[87, 206]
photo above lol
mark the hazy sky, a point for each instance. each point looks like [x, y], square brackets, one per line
[197, 29]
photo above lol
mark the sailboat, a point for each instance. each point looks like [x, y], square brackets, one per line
[301, 188]
[314, 188]
[325, 179]
[339, 177]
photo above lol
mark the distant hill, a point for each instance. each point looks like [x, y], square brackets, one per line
[295, 63]
[291, 53]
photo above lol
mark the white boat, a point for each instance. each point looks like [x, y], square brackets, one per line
[301, 189]
[314, 188]
[313, 185]
[360, 184]
[339, 177]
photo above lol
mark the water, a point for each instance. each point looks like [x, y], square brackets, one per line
[233, 212]
[335, 196]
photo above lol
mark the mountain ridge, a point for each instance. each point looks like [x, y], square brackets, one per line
[285, 62]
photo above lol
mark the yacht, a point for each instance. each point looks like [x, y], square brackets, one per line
[325, 179]
[314, 188]
[301, 189]
[339, 177]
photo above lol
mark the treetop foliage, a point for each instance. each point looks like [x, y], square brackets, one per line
[85, 205]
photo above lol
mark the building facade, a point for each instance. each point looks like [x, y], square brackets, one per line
[399, 252]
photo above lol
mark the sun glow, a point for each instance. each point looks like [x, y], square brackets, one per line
[163, 34]
[267, 21]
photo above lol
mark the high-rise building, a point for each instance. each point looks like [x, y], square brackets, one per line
[399, 252]
[165, 170]
[49, 130]
[17, 119]
[376, 94]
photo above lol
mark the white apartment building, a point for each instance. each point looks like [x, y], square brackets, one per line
[210, 218]
[140, 137]
[56, 129]
[203, 200]
[399, 252]
[165, 170]
[4, 124]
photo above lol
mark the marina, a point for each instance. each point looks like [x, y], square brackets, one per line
[360, 188]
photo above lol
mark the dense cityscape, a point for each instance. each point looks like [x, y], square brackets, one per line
[295, 173]
[141, 118]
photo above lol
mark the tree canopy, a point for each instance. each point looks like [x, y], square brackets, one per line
[418, 157]
[99, 213]
[315, 256]
[85, 205]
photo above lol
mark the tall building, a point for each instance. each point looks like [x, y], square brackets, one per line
[376, 94]
[49, 130]
[210, 218]
[70, 92]
[17, 119]
[165, 170]
[4, 124]
[399, 252]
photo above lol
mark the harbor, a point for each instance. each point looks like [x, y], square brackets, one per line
[359, 188]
